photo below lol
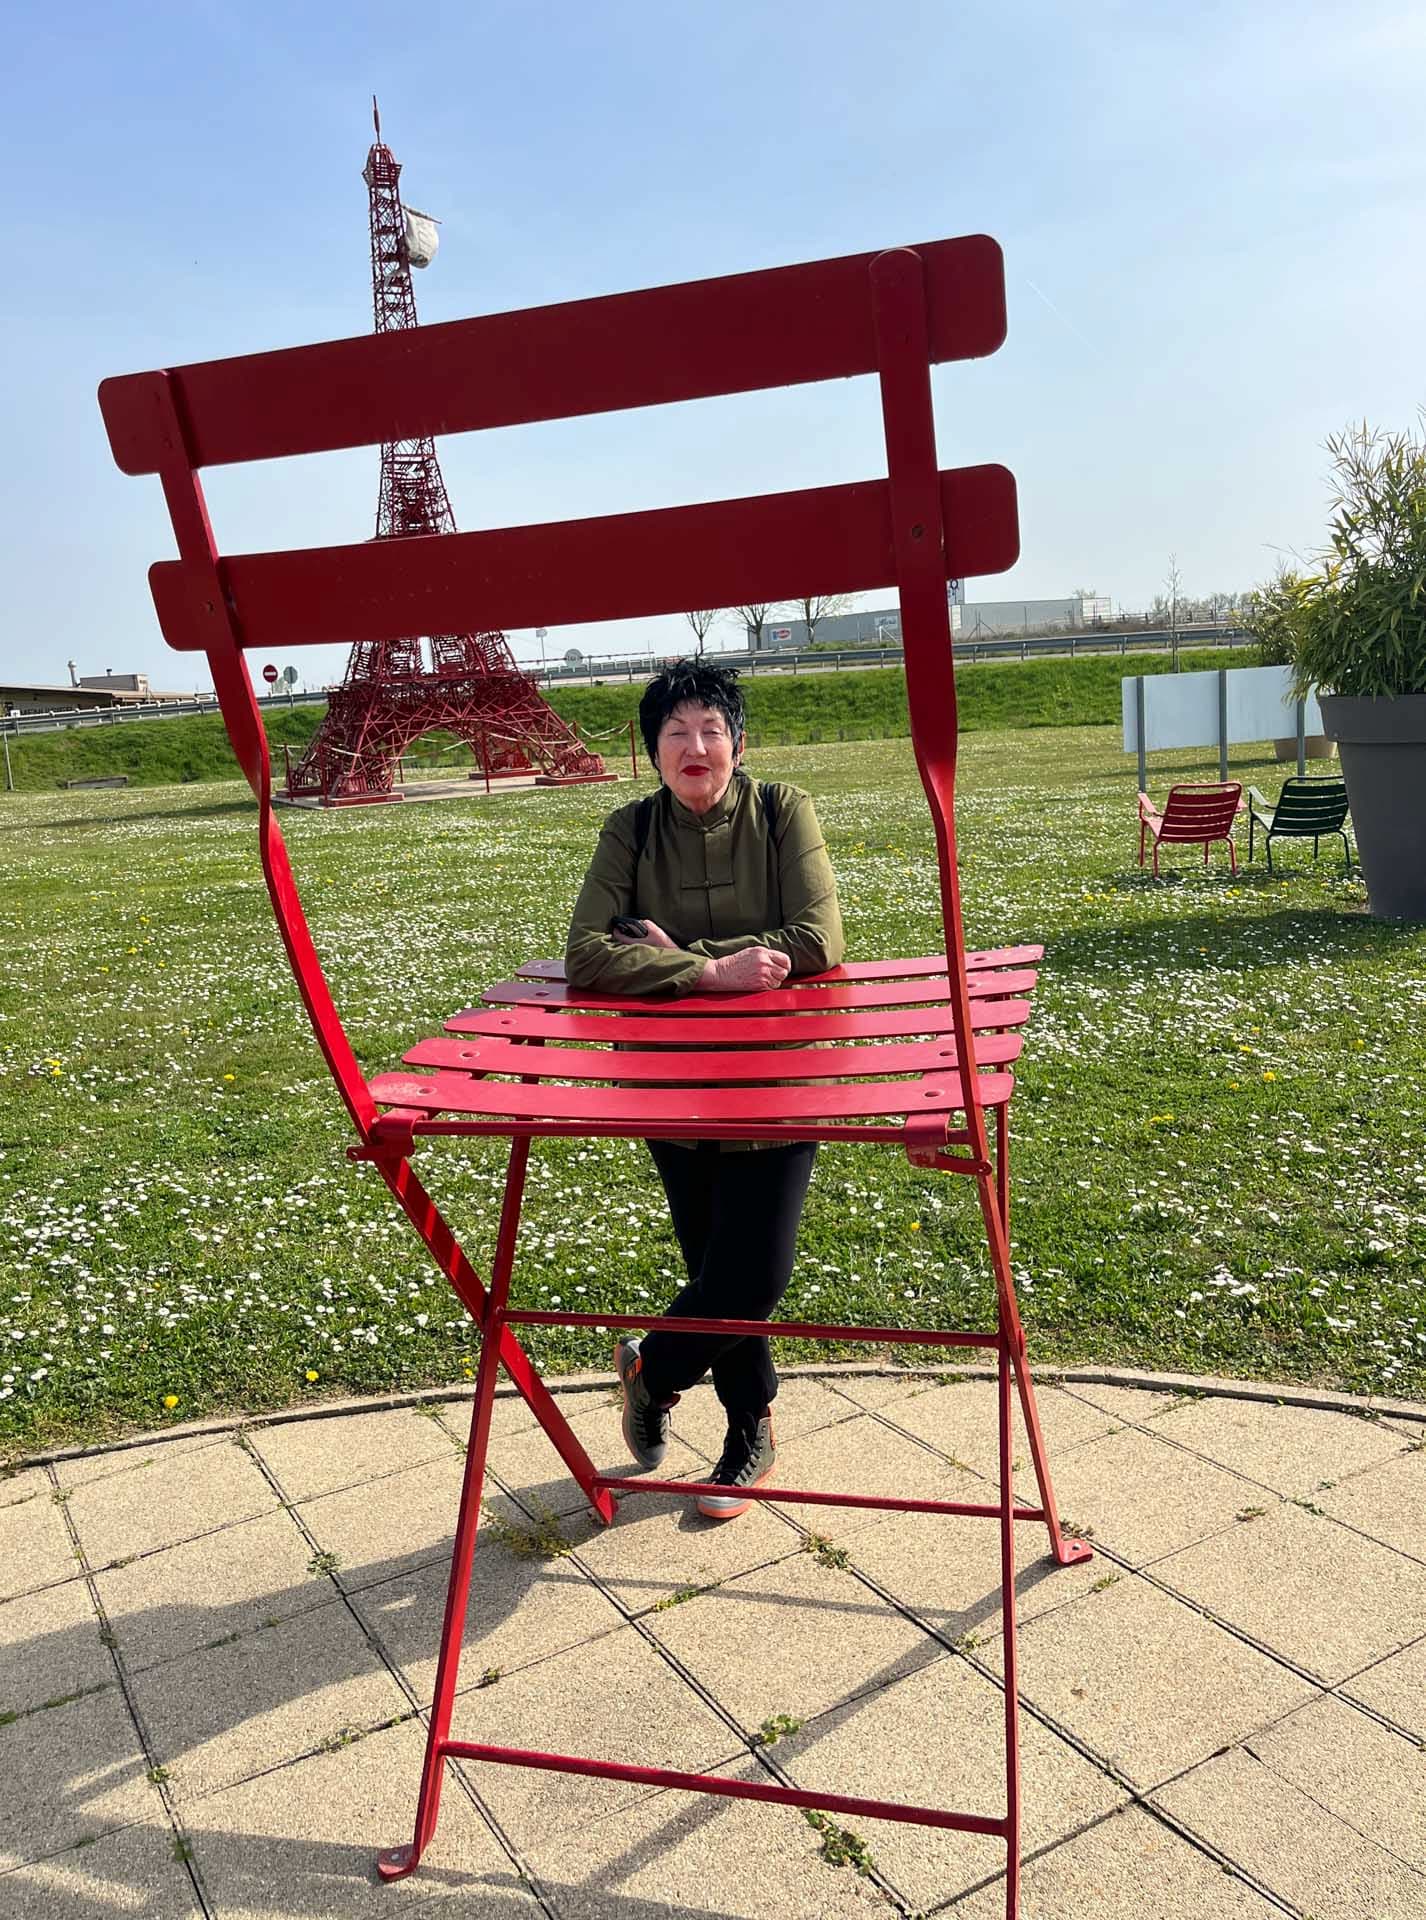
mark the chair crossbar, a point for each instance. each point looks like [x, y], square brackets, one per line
[737, 333]
[728, 1789]
[799, 1497]
[612, 567]
[771, 1329]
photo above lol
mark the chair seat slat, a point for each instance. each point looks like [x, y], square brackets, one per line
[671, 1029]
[668, 1068]
[689, 1107]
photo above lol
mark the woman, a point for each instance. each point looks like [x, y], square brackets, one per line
[731, 881]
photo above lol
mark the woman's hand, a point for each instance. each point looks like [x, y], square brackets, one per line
[652, 936]
[754, 970]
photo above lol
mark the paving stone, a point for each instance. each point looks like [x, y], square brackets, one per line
[801, 1406]
[873, 1391]
[657, 1548]
[680, 1855]
[1129, 1867]
[69, 1774]
[1140, 1503]
[526, 1462]
[184, 1597]
[963, 1421]
[616, 1701]
[522, 1608]
[35, 1547]
[300, 1842]
[1396, 1687]
[225, 1713]
[794, 1638]
[1389, 1502]
[864, 1457]
[107, 1464]
[948, 1570]
[319, 1456]
[1290, 1842]
[49, 1645]
[1128, 1405]
[1342, 1758]
[132, 1873]
[937, 1738]
[1290, 1449]
[1146, 1683]
[1304, 1586]
[391, 1526]
[175, 1497]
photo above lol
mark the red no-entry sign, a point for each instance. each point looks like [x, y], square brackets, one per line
[269, 673]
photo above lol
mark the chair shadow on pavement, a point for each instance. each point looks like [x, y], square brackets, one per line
[88, 1817]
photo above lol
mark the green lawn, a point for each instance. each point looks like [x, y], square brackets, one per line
[1219, 1120]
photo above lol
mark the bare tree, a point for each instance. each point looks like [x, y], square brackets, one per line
[701, 619]
[755, 618]
[1173, 581]
[821, 606]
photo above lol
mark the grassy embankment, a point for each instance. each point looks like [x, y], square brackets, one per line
[786, 710]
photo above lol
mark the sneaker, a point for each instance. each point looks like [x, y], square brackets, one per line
[645, 1423]
[748, 1455]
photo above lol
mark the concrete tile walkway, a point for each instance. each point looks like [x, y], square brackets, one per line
[217, 1648]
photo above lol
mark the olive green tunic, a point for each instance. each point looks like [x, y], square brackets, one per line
[716, 882]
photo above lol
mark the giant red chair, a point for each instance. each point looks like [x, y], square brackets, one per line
[913, 1055]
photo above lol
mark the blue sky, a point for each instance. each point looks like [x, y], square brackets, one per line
[1211, 222]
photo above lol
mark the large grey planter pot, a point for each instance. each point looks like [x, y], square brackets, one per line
[1383, 748]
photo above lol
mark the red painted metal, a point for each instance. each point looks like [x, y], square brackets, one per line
[951, 1018]
[1192, 816]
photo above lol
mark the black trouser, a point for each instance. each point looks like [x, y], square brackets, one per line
[736, 1216]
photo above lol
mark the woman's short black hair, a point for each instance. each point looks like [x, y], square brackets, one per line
[706, 686]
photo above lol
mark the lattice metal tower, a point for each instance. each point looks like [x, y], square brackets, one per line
[472, 687]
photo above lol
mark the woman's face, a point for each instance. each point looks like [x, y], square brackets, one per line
[696, 755]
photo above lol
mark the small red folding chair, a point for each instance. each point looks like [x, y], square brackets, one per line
[914, 1054]
[1194, 815]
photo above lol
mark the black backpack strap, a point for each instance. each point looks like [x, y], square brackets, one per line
[768, 795]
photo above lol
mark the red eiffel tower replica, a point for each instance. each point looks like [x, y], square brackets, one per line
[472, 687]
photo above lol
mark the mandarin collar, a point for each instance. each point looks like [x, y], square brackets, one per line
[721, 810]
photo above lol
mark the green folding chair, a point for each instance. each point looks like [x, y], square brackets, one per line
[1307, 808]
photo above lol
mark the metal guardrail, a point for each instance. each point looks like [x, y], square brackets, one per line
[639, 666]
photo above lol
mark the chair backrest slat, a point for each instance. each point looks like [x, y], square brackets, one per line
[1310, 805]
[1200, 812]
[733, 552]
[735, 334]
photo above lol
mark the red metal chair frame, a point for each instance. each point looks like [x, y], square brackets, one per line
[914, 1053]
[1193, 815]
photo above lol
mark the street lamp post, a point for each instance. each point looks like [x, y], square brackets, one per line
[542, 634]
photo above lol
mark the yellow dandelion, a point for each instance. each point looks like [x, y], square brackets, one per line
[310, 1375]
[170, 1400]
[1234, 1085]
[1268, 1074]
[915, 1226]
[229, 1077]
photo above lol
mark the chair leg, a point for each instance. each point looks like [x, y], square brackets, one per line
[1067, 1553]
[1002, 1165]
[1232, 856]
[396, 1862]
[1268, 844]
[1143, 830]
[1009, 1650]
[1156, 859]
[446, 1251]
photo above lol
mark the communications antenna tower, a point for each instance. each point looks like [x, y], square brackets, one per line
[471, 687]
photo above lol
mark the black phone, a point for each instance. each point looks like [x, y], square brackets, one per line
[626, 924]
